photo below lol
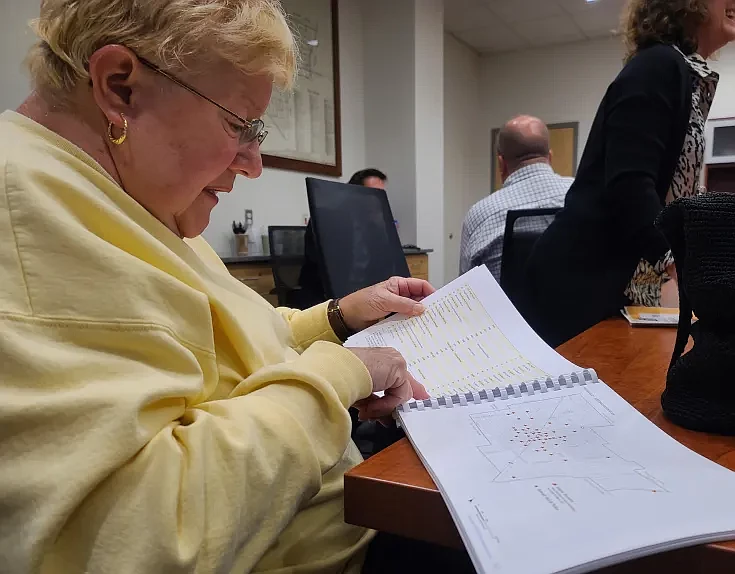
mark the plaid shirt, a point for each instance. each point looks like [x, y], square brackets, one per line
[532, 187]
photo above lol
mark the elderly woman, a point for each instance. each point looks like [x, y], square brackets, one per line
[156, 415]
[646, 148]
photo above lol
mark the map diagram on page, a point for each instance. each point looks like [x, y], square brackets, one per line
[555, 437]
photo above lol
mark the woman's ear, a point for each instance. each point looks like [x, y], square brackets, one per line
[115, 72]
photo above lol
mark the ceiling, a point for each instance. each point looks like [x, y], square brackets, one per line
[491, 26]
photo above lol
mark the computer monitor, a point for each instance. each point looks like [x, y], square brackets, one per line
[356, 236]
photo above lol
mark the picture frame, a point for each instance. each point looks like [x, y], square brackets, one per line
[305, 124]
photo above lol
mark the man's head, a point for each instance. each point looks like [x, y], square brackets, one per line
[524, 140]
[369, 178]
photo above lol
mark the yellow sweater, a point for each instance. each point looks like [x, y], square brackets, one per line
[155, 414]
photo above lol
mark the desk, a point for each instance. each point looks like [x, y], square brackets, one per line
[255, 271]
[393, 492]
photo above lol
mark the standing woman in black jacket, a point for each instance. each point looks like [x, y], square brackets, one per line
[645, 148]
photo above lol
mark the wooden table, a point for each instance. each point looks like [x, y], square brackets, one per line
[393, 492]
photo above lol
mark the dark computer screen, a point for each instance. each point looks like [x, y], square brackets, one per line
[356, 235]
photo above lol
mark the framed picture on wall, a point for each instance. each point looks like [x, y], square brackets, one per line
[304, 124]
[564, 141]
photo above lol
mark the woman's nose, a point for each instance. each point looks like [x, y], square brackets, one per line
[248, 161]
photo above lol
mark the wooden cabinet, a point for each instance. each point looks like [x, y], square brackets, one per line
[256, 272]
[720, 177]
[257, 275]
[418, 265]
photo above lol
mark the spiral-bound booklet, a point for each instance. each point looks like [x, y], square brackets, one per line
[543, 467]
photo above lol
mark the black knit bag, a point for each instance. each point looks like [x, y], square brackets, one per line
[700, 386]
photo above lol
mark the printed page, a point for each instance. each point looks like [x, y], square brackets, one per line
[470, 338]
[568, 480]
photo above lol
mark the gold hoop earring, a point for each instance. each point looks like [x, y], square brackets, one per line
[123, 136]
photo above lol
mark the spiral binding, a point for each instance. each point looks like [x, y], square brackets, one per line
[581, 378]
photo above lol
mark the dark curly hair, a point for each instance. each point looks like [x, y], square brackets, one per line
[649, 22]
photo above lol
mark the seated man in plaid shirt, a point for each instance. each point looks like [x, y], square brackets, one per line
[529, 182]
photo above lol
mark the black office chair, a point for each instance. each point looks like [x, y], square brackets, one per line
[356, 236]
[523, 227]
[287, 258]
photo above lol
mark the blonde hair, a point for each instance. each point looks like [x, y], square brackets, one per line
[252, 35]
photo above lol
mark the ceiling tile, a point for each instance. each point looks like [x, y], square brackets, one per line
[466, 14]
[556, 30]
[493, 39]
[512, 11]
[505, 25]
[598, 20]
[576, 6]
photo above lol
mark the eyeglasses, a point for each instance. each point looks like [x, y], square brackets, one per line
[250, 130]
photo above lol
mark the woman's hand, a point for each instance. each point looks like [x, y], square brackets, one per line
[390, 374]
[397, 295]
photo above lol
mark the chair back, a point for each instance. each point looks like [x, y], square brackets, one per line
[287, 258]
[523, 227]
[356, 236]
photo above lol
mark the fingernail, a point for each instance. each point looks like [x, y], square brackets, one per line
[418, 309]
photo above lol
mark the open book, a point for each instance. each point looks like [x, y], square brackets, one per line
[543, 467]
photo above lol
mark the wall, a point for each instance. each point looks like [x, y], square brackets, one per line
[15, 40]
[279, 197]
[466, 147]
[390, 122]
[566, 83]
[724, 64]
[404, 110]
[430, 134]
[558, 84]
